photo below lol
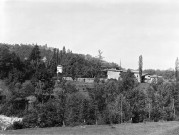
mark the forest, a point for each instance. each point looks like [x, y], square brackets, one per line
[30, 71]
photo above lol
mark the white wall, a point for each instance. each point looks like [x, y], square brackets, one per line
[113, 75]
[137, 76]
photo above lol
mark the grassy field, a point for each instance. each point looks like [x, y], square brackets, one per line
[150, 128]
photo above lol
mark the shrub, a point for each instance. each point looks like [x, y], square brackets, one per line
[30, 120]
[17, 125]
[50, 114]
[44, 115]
[74, 112]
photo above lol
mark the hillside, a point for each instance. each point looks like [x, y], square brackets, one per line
[74, 65]
[24, 50]
[75, 101]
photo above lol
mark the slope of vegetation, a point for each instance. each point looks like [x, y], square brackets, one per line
[32, 91]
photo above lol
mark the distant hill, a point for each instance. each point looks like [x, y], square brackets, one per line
[24, 50]
[74, 65]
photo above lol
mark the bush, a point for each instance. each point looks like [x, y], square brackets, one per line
[17, 125]
[74, 112]
[30, 120]
[50, 114]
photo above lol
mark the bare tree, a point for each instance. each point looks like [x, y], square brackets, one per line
[100, 57]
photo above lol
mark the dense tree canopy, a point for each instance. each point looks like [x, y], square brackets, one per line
[30, 71]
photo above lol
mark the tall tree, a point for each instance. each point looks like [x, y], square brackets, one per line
[58, 56]
[176, 84]
[53, 62]
[35, 54]
[140, 67]
[64, 50]
[176, 69]
[137, 105]
[5, 61]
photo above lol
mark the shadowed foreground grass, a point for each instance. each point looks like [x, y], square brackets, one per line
[150, 128]
[172, 132]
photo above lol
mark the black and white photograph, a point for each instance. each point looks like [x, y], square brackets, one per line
[89, 67]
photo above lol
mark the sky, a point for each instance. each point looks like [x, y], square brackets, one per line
[121, 29]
